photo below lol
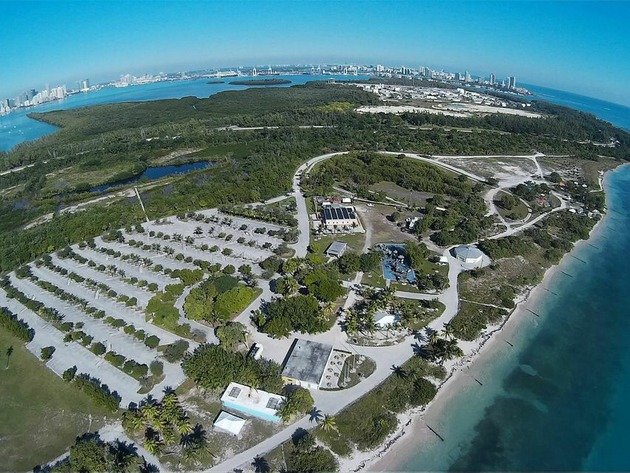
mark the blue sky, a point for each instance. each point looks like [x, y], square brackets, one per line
[581, 47]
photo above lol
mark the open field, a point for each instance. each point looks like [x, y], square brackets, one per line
[40, 414]
[393, 190]
[382, 230]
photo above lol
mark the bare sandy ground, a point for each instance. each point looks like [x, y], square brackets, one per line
[463, 110]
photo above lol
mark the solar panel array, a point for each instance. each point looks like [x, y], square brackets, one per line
[339, 213]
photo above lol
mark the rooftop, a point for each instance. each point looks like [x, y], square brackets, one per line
[335, 212]
[307, 361]
[336, 248]
[251, 401]
[229, 423]
[467, 251]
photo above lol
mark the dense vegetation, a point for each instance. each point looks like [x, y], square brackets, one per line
[93, 387]
[213, 368]
[299, 313]
[90, 454]
[463, 220]
[367, 422]
[218, 299]
[16, 327]
[98, 143]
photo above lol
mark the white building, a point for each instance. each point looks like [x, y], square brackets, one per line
[386, 319]
[229, 423]
[253, 402]
[468, 254]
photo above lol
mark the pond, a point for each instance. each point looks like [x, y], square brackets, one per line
[396, 264]
[156, 172]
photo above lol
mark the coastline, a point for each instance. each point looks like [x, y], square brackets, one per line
[412, 429]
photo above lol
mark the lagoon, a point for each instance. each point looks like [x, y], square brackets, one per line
[155, 172]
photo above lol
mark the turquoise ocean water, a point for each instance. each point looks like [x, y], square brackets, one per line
[559, 399]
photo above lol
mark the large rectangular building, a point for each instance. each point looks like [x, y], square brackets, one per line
[338, 216]
[306, 363]
[254, 402]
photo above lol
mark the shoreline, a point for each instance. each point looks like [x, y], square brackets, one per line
[412, 430]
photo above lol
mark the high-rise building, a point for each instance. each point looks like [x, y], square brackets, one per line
[458, 76]
[493, 78]
[468, 77]
[511, 82]
[85, 84]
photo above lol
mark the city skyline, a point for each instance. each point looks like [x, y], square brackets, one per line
[33, 97]
[572, 46]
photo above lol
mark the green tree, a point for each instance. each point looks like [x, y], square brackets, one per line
[328, 423]
[231, 335]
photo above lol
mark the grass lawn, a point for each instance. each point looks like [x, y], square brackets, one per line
[40, 414]
[519, 212]
[320, 243]
[374, 279]
[398, 286]
[393, 190]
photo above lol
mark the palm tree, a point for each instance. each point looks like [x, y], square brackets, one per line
[133, 421]
[432, 335]
[352, 324]
[451, 350]
[448, 331]
[329, 423]
[183, 425]
[153, 444]
[124, 456]
[261, 465]
[147, 467]
[149, 411]
[399, 371]
[9, 353]
[169, 434]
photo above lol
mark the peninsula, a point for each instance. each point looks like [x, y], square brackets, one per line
[300, 300]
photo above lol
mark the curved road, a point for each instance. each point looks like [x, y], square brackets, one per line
[331, 402]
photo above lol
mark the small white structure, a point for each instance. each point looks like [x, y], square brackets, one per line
[251, 401]
[386, 319]
[229, 423]
[468, 254]
[256, 351]
[337, 249]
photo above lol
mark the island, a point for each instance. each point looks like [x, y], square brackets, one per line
[213, 82]
[273, 81]
[297, 302]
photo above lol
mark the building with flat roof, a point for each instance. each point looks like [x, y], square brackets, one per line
[306, 363]
[336, 248]
[253, 402]
[337, 216]
[386, 319]
[229, 423]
